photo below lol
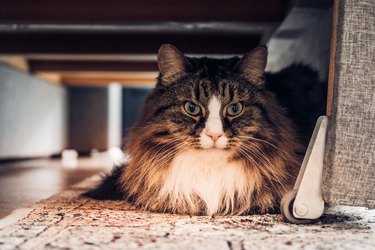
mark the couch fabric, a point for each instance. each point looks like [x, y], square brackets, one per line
[349, 177]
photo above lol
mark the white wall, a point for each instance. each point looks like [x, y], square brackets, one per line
[32, 115]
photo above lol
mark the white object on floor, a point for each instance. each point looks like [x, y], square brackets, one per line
[118, 157]
[69, 158]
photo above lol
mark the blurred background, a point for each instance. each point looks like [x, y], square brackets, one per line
[74, 74]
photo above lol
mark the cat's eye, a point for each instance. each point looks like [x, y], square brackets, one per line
[234, 109]
[192, 109]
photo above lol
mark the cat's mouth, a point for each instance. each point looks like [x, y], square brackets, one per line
[214, 149]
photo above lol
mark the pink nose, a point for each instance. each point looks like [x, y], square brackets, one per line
[214, 135]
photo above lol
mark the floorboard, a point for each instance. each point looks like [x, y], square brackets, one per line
[22, 183]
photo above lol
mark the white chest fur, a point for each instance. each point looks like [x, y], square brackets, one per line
[209, 175]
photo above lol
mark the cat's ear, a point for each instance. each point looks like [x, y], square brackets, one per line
[252, 64]
[172, 63]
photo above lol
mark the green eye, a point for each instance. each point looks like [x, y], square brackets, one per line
[234, 109]
[192, 109]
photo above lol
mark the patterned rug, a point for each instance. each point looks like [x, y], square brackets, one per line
[66, 221]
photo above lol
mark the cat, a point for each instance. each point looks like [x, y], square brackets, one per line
[213, 139]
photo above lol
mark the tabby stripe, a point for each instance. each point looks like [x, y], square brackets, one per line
[231, 94]
[162, 109]
[267, 148]
[197, 92]
[223, 86]
[205, 91]
[200, 123]
[162, 133]
[265, 115]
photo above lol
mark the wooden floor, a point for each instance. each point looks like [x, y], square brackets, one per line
[23, 183]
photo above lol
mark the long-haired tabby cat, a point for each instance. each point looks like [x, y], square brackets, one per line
[213, 139]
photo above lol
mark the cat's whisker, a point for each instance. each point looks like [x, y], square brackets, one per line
[146, 154]
[251, 149]
[166, 143]
[168, 157]
[266, 172]
[265, 165]
[249, 157]
[157, 161]
[161, 158]
[165, 156]
[264, 156]
[253, 157]
[261, 140]
[259, 166]
[258, 151]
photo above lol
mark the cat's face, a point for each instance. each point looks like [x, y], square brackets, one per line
[210, 104]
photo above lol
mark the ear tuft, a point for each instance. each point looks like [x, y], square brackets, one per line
[171, 62]
[253, 63]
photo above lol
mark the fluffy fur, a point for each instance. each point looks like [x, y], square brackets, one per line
[212, 163]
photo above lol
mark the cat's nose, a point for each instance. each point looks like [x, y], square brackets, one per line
[214, 135]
